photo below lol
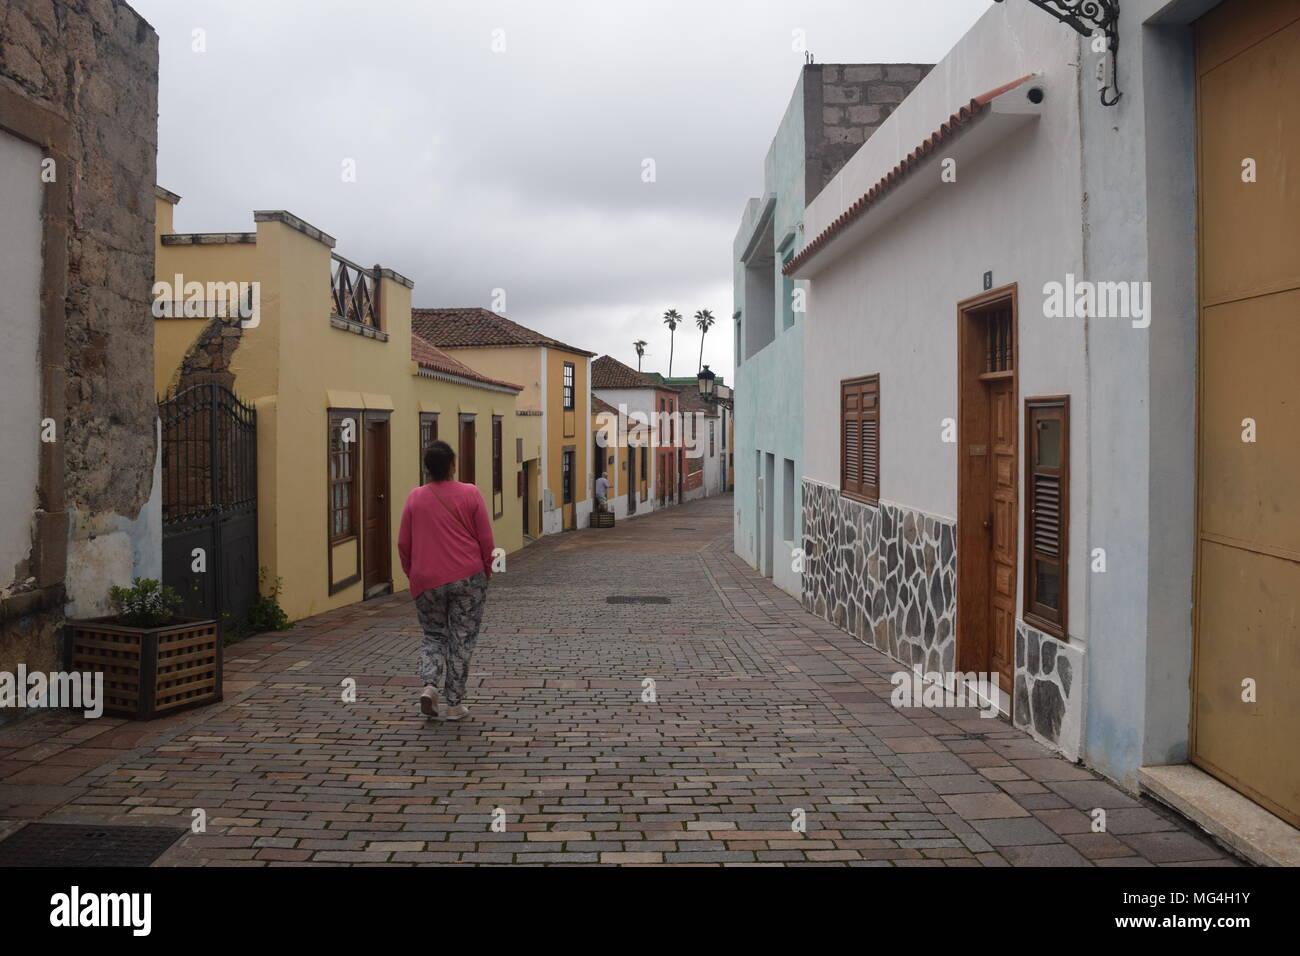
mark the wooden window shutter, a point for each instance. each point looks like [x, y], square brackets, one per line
[1047, 513]
[860, 438]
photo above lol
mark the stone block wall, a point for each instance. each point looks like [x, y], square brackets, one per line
[888, 576]
[843, 105]
[1050, 683]
[79, 78]
[885, 574]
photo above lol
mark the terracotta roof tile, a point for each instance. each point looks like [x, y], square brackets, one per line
[434, 359]
[609, 372]
[470, 327]
[946, 132]
[598, 405]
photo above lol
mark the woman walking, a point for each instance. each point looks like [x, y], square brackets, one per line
[445, 544]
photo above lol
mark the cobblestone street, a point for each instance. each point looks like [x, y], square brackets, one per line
[762, 710]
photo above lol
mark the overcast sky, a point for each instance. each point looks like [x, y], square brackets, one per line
[519, 169]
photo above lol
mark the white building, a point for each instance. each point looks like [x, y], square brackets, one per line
[1001, 388]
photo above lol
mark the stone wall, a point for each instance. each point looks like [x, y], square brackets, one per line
[1050, 689]
[209, 358]
[79, 78]
[886, 574]
[844, 103]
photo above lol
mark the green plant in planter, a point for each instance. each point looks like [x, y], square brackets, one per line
[146, 603]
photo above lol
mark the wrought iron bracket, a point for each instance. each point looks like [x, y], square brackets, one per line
[1088, 18]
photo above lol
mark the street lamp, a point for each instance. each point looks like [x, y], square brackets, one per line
[708, 380]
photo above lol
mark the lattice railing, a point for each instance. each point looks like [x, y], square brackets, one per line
[354, 292]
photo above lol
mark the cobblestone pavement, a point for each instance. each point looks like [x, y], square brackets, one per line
[762, 710]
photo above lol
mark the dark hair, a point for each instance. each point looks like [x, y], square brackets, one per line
[438, 459]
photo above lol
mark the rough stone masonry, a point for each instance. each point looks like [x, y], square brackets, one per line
[79, 78]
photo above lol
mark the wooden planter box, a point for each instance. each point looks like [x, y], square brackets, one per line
[602, 519]
[149, 672]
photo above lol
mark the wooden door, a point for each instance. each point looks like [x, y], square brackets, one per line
[525, 493]
[987, 486]
[1245, 725]
[569, 485]
[1002, 535]
[376, 563]
[465, 455]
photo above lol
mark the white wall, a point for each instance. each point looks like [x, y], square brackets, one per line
[890, 305]
[20, 319]
[638, 400]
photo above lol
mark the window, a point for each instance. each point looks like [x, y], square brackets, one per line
[1000, 353]
[496, 463]
[738, 349]
[343, 474]
[860, 438]
[712, 449]
[428, 435]
[568, 386]
[567, 477]
[645, 454]
[1047, 499]
[466, 452]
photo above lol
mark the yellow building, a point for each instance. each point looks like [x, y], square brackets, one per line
[556, 389]
[345, 397]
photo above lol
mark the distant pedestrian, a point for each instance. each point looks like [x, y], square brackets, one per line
[602, 493]
[445, 544]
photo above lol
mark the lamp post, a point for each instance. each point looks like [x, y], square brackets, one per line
[708, 380]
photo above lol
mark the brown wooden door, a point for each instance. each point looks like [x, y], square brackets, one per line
[465, 455]
[1245, 704]
[377, 547]
[528, 532]
[987, 482]
[569, 490]
[1002, 535]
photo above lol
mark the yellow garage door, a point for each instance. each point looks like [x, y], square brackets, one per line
[1246, 693]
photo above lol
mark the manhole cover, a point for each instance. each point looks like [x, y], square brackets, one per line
[637, 599]
[65, 844]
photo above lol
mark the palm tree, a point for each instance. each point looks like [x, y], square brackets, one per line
[671, 318]
[639, 345]
[703, 321]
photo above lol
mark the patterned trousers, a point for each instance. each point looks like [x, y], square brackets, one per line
[450, 615]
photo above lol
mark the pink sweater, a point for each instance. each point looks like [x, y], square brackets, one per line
[437, 546]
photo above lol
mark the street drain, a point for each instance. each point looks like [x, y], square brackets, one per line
[66, 844]
[637, 599]
[686, 529]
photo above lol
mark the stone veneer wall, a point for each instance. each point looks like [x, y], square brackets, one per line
[886, 574]
[1049, 689]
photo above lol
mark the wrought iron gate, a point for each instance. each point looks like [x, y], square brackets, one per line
[209, 476]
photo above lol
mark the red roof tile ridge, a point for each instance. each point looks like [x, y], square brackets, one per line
[947, 129]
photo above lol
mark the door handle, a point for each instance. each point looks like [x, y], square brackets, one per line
[988, 524]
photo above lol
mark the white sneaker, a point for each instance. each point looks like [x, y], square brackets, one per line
[429, 701]
[459, 712]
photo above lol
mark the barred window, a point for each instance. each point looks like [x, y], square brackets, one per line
[342, 475]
